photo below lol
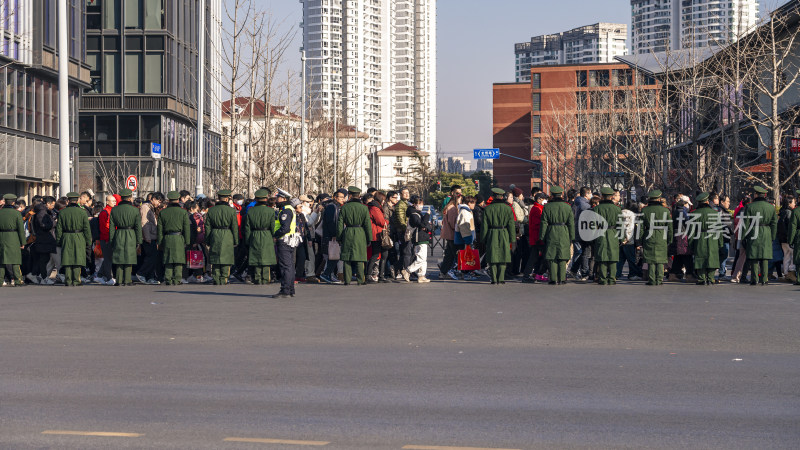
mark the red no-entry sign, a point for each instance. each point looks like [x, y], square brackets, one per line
[132, 182]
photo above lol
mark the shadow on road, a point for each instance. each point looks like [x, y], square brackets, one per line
[232, 294]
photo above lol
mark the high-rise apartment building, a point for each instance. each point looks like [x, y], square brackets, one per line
[29, 150]
[143, 58]
[379, 71]
[663, 25]
[597, 43]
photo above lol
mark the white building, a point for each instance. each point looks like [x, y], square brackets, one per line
[395, 166]
[663, 25]
[380, 71]
[597, 43]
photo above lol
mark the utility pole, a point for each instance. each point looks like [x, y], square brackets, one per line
[64, 175]
[201, 48]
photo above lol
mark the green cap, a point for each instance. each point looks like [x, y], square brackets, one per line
[72, 195]
[556, 190]
[353, 190]
[607, 191]
[173, 195]
[760, 190]
[655, 194]
[498, 191]
[261, 193]
[126, 193]
[702, 197]
[224, 193]
[797, 192]
[10, 197]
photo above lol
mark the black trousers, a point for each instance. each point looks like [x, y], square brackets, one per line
[150, 261]
[39, 264]
[285, 256]
[449, 258]
[301, 256]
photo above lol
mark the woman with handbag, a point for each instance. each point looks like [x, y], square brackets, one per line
[381, 242]
[464, 236]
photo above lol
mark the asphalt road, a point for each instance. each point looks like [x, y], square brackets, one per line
[449, 364]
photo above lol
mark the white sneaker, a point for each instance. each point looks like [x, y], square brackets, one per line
[61, 278]
[47, 281]
[85, 280]
[33, 278]
[184, 281]
[153, 281]
[452, 274]
[406, 276]
[111, 282]
[141, 279]
[423, 279]
[207, 279]
[98, 280]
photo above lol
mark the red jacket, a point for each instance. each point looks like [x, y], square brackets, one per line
[378, 220]
[104, 221]
[535, 224]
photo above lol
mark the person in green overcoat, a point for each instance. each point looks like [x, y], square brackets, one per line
[557, 231]
[258, 228]
[124, 236]
[759, 228]
[354, 231]
[794, 240]
[174, 236]
[74, 235]
[497, 235]
[705, 239]
[12, 239]
[222, 235]
[606, 247]
[654, 236]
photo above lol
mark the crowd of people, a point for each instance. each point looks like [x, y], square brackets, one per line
[381, 237]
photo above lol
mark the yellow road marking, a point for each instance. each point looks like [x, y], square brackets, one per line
[92, 433]
[276, 441]
[438, 447]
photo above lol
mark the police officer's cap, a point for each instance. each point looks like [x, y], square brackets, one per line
[261, 194]
[73, 195]
[353, 190]
[10, 197]
[126, 193]
[702, 197]
[760, 190]
[556, 190]
[498, 191]
[224, 193]
[173, 195]
[607, 191]
[655, 194]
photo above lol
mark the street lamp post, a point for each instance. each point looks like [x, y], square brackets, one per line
[303, 60]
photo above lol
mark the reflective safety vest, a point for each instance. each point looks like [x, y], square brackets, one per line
[292, 227]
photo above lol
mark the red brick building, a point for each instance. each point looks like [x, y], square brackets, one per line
[546, 120]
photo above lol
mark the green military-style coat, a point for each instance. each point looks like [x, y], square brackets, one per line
[606, 247]
[760, 223]
[124, 233]
[497, 232]
[174, 234]
[354, 231]
[73, 235]
[12, 235]
[794, 235]
[557, 230]
[258, 226]
[222, 234]
[655, 233]
[705, 239]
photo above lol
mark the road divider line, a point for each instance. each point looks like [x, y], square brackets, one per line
[439, 447]
[91, 433]
[276, 441]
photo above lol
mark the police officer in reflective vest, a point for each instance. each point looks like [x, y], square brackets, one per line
[287, 239]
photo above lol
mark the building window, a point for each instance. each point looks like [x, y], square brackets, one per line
[133, 73]
[153, 14]
[536, 124]
[536, 100]
[93, 14]
[536, 81]
[581, 77]
[536, 146]
[598, 78]
[111, 12]
[133, 14]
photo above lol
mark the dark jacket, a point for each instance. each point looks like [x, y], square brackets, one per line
[43, 227]
[784, 220]
[578, 206]
[330, 221]
[422, 225]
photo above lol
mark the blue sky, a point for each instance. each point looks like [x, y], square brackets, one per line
[476, 48]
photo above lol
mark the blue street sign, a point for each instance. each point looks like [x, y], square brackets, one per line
[486, 153]
[155, 150]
